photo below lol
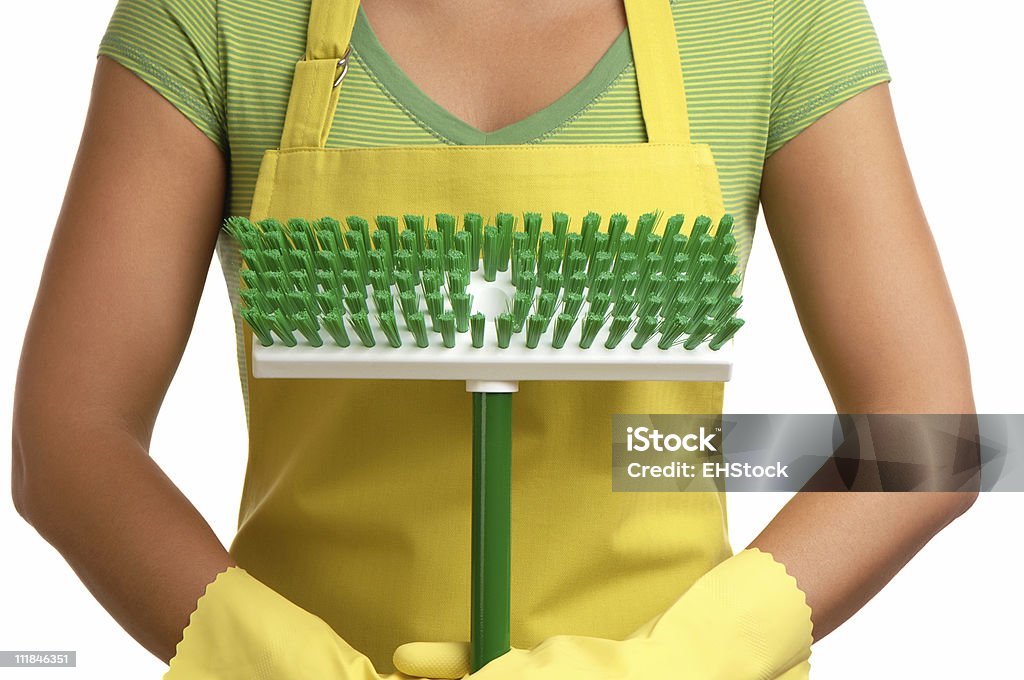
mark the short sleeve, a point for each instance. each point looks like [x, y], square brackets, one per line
[172, 45]
[824, 53]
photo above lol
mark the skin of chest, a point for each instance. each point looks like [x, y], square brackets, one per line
[492, 63]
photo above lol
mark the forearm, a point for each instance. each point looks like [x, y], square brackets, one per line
[136, 542]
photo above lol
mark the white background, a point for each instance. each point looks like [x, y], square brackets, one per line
[953, 613]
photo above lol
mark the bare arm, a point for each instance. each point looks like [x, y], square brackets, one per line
[115, 306]
[872, 298]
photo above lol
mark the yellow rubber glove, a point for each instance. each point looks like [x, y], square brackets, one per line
[746, 619]
[243, 630]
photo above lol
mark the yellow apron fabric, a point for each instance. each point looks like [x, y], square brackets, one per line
[356, 503]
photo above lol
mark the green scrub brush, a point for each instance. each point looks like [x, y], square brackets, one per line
[491, 303]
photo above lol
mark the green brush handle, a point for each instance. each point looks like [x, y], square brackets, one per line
[492, 527]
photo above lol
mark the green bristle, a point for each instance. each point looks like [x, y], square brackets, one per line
[704, 244]
[328, 242]
[300, 280]
[435, 241]
[645, 328]
[592, 324]
[464, 244]
[627, 244]
[645, 226]
[527, 263]
[573, 243]
[506, 225]
[576, 262]
[236, 226]
[600, 263]
[617, 224]
[503, 324]
[383, 302]
[309, 328]
[389, 225]
[285, 302]
[409, 302]
[724, 266]
[360, 226]
[274, 260]
[418, 326]
[698, 334]
[550, 263]
[329, 225]
[527, 282]
[254, 259]
[521, 303]
[599, 304]
[299, 229]
[624, 264]
[519, 243]
[701, 225]
[535, 326]
[551, 283]
[672, 227]
[404, 262]
[457, 282]
[589, 228]
[563, 326]
[673, 256]
[410, 245]
[331, 261]
[726, 307]
[625, 305]
[405, 280]
[619, 328]
[672, 330]
[559, 228]
[457, 261]
[355, 302]
[474, 224]
[335, 325]
[386, 320]
[357, 257]
[303, 301]
[648, 264]
[352, 282]
[382, 254]
[572, 303]
[531, 226]
[657, 284]
[546, 305]
[431, 281]
[326, 301]
[724, 246]
[304, 241]
[379, 280]
[650, 306]
[260, 324]
[254, 299]
[282, 327]
[547, 243]
[415, 224]
[446, 324]
[435, 307]
[446, 227]
[291, 259]
[462, 304]
[726, 287]
[352, 262]
[307, 262]
[492, 252]
[707, 282]
[361, 324]
[604, 283]
[577, 283]
[477, 324]
[252, 280]
[430, 261]
[647, 245]
[275, 281]
[630, 282]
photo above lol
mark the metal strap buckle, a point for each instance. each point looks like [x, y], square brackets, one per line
[343, 65]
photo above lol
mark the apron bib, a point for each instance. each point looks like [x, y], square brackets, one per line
[356, 502]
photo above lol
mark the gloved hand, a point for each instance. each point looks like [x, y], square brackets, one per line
[244, 630]
[746, 619]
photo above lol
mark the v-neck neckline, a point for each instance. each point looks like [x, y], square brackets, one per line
[453, 129]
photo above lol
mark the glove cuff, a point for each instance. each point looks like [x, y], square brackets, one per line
[747, 619]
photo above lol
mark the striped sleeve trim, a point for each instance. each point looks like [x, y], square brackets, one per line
[166, 85]
[835, 94]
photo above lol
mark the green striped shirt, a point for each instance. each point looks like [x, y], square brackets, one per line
[757, 72]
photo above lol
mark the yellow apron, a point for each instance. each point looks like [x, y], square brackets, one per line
[356, 504]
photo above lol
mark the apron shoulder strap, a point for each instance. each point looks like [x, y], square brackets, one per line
[659, 75]
[317, 79]
[316, 83]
